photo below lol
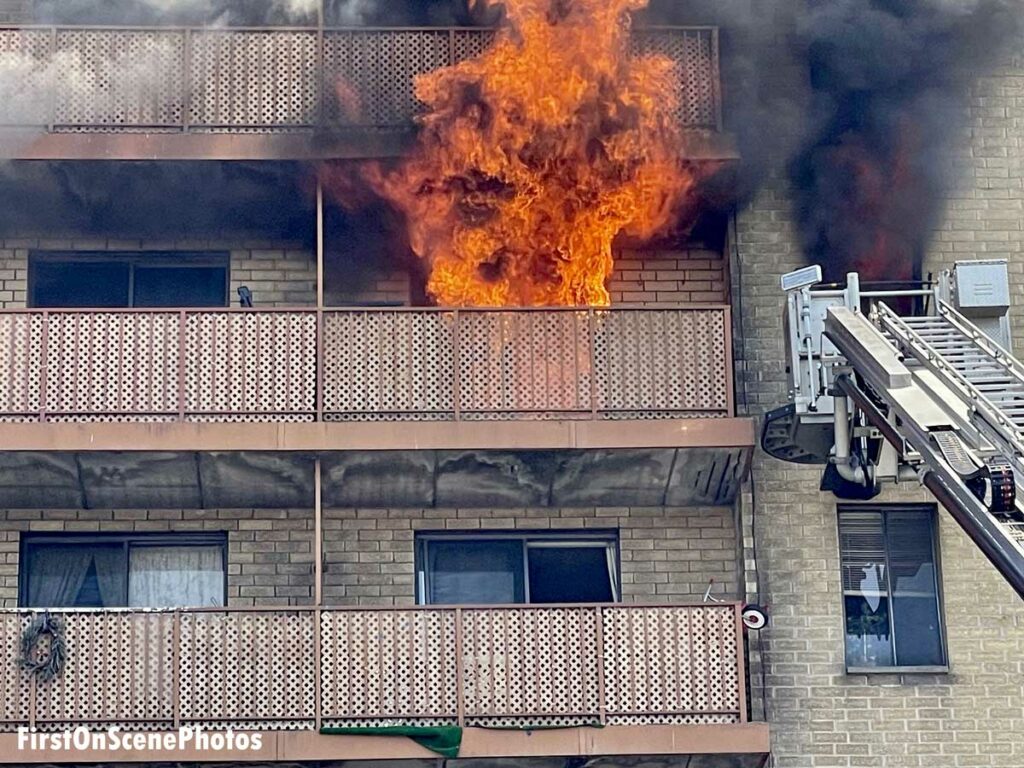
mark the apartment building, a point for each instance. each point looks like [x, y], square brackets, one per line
[264, 487]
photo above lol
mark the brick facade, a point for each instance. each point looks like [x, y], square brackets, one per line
[985, 214]
[694, 275]
[270, 551]
[667, 555]
[283, 274]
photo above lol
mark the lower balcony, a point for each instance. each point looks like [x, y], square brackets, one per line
[523, 681]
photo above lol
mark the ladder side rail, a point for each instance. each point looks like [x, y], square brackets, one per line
[1005, 431]
[998, 353]
[987, 417]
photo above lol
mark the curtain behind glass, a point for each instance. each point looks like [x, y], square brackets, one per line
[58, 572]
[475, 572]
[164, 577]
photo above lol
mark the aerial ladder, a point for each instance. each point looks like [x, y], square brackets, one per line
[911, 384]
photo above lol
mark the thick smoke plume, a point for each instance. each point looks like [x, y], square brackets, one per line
[890, 84]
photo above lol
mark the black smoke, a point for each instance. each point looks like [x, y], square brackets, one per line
[863, 104]
[890, 88]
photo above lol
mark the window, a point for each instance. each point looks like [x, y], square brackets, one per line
[115, 571]
[515, 568]
[890, 587]
[97, 280]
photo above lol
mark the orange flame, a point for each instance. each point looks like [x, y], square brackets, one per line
[533, 157]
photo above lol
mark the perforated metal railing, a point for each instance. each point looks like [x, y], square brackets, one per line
[298, 668]
[365, 364]
[88, 79]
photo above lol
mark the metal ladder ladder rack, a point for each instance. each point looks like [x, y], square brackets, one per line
[958, 400]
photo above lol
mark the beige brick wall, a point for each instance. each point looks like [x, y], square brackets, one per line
[270, 554]
[282, 274]
[277, 277]
[379, 288]
[985, 215]
[695, 275]
[278, 273]
[667, 555]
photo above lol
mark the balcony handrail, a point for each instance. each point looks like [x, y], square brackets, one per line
[353, 364]
[23, 610]
[382, 308]
[307, 28]
[465, 665]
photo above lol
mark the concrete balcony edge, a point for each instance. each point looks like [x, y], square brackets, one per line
[319, 437]
[748, 740]
[27, 144]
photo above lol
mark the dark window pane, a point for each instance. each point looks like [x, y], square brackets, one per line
[79, 284]
[868, 642]
[485, 572]
[569, 575]
[75, 576]
[180, 286]
[915, 605]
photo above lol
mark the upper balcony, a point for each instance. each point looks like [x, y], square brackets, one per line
[266, 93]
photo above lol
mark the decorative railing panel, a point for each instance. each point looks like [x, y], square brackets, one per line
[250, 365]
[298, 668]
[241, 668]
[389, 664]
[364, 364]
[120, 668]
[86, 79]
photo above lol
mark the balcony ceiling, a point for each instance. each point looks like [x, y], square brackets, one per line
[679, 477]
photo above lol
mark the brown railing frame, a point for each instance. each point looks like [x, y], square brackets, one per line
[458, 611]
[319, 33]
[318, 410]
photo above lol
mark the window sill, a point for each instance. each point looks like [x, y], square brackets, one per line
[936, 670]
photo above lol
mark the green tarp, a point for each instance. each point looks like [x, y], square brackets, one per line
[445, 740]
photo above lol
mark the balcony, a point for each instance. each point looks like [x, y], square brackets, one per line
[599, 392]
[365, 365]
[677, 672]
[173, 93]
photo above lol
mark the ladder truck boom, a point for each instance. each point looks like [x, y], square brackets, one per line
[931, 396]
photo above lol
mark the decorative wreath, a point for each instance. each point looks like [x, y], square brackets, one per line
[50, 665]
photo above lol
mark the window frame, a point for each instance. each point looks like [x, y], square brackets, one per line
[884, 510]
[597, 537]
[133, 260]
[127, 541]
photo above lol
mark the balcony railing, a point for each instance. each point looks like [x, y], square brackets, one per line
[303, 668]
[365, 364]
[201, 80]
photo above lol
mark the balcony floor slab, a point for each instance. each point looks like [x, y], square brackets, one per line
[673, 746]
[470, 478]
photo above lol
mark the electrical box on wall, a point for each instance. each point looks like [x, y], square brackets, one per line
[981, 293]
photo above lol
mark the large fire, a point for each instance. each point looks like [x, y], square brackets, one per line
[533, 157]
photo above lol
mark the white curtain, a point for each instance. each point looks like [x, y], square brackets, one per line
[166, 577]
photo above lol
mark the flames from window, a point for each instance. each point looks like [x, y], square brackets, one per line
[536, 155]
